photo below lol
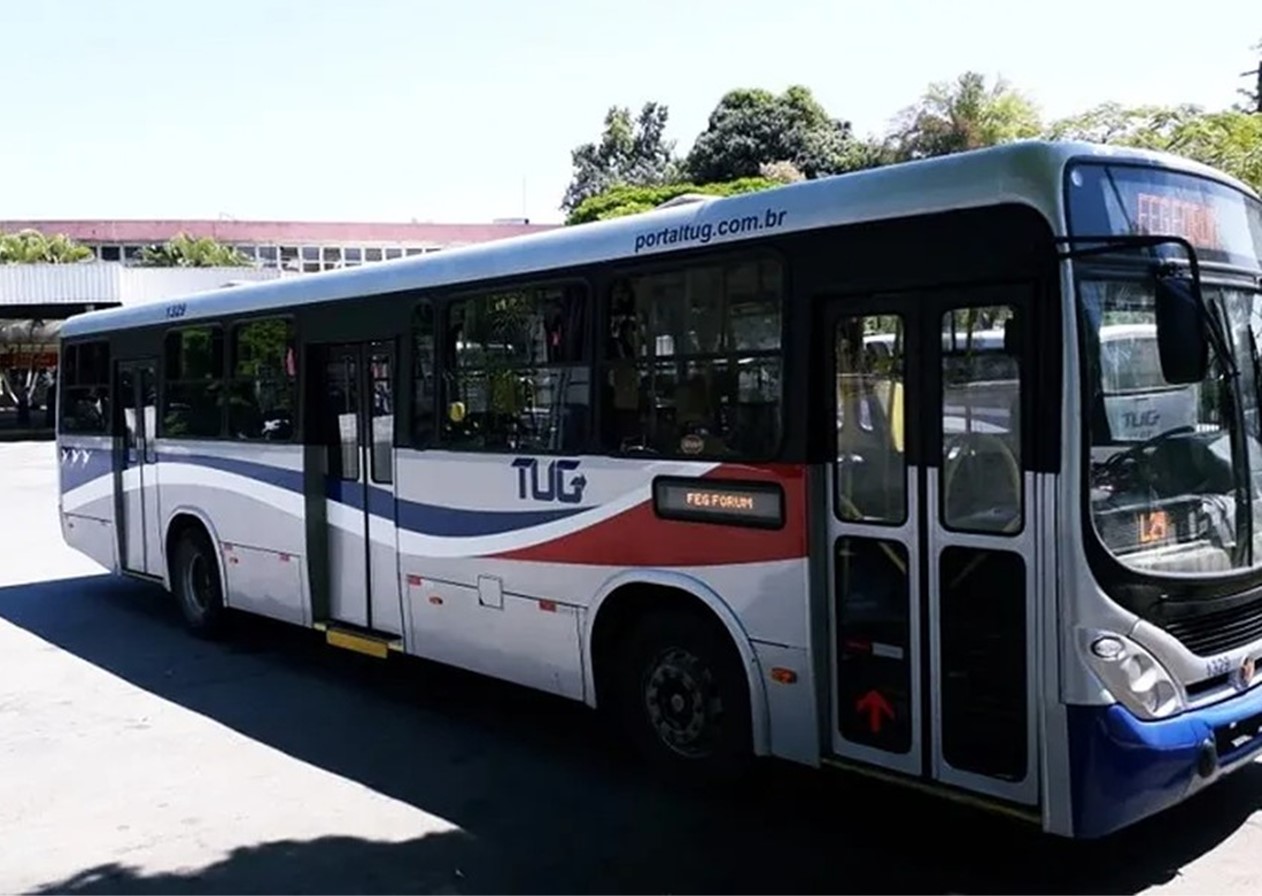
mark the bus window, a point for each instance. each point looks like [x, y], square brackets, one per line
[871, 467]
[516, 377]
[691, 363]
[981, 432]
[85, 388]
[261, 395]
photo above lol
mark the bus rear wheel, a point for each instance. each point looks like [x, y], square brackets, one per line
[195, 581]
[683, 700]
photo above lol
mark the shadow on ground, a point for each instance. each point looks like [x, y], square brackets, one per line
[545, 800]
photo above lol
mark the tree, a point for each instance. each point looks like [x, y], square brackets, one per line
[1229, 140]
[1253, 97]
[626, 199]
[962, 115]
[184, 251]
[1146, 127]
[629, 153]
[750, 128]
[33, 247]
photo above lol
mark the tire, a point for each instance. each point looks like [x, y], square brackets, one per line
[682, 698]
[195, 581]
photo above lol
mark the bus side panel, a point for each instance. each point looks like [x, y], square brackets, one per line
[86, 497]
[250, 494]
[482, 540]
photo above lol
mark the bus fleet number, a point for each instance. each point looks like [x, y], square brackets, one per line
[176, 310]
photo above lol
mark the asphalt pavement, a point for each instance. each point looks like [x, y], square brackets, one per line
[137, 759]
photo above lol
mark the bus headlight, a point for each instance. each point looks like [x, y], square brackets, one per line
[1135, 677]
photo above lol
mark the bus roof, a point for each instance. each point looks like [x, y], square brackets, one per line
[1026, 172]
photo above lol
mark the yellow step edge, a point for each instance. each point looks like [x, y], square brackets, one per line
[976, 801]
[366, 644]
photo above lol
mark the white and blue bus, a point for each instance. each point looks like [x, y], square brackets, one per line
[834, 473]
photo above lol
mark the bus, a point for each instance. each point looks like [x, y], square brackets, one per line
[833, 473]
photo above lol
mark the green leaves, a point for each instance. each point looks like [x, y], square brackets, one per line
[33, 247]
[184, 251]
[1229, 140]
[627, 199]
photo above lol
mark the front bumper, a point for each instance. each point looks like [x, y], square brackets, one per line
[1123, 769]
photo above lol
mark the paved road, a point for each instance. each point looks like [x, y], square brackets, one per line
[135, 759]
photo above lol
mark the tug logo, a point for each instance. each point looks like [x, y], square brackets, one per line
[549, 483]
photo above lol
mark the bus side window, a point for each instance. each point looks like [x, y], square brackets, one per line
[871, 472]
[981, 434]
[423, 385]
[691, 364]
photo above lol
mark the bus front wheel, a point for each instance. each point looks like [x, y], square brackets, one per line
[195, 580]
[683, 699]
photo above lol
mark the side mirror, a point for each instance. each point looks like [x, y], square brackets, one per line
[1181, 342]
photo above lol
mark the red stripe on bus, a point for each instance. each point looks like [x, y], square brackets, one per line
[638, 537]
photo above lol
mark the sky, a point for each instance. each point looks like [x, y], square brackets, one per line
[466, 111]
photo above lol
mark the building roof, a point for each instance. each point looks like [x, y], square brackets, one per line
[279, 232]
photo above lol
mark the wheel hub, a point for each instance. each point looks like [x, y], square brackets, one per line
[681, 702]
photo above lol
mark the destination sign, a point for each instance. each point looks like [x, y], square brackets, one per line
[1221, 223]
[1196, 222]
[710, 501]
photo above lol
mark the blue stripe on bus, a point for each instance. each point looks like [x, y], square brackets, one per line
[430, 519]
[414, 516]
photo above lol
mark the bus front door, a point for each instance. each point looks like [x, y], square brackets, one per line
[931, 538]
[140, 544]
[356, 402]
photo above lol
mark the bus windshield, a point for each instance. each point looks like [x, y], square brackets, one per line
[1174, 470]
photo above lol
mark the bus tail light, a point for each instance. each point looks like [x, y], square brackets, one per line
[1135, 677]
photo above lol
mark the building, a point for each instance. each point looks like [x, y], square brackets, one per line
[34, 298]
[289, 246]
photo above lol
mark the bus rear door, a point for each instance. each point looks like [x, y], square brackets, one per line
[135, 470]
[354, 402]
[931, 538]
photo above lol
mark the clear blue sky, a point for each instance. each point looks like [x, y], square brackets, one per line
[441, 111]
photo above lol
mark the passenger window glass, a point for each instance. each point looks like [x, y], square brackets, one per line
[85, 389]
[193, 401]
[423, 383]
[127, 405]
[262, 394]
[691, 364]
[516, 372]
[981, 478]
[871, 477]
[341, 416]
[382, 397]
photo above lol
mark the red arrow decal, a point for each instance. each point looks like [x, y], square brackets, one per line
[875, 705]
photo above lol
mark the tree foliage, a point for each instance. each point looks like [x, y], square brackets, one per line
[755, 139]
[1229, 140]
[629, 200]
[33, 247]
[1146, 127]
[629, 152]
[750, 128]
[184, 251]
[1253, 95]
[962, 115]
